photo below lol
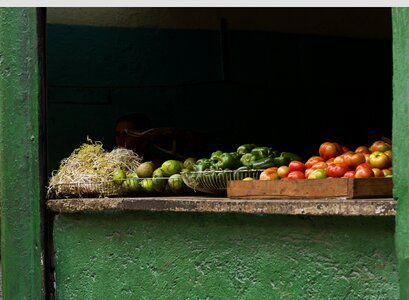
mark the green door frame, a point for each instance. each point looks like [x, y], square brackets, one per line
[400, 126]
[22, 152]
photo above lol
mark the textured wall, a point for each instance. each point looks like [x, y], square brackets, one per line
[401, 141]
[205, 256]
[20, 155]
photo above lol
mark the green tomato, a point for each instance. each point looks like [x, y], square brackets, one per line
[132, 175]
[318, 174]
[176, 184]
[171, 167]
[132, 185]
[189, 163]
[147, 185]
[119, 176]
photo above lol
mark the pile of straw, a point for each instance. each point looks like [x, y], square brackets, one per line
[89, 170]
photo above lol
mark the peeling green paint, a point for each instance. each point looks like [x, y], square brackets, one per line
[21, 244]
[224, 256]
[401, 141]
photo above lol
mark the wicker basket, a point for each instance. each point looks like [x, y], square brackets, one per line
[108, 189]
[215, 182]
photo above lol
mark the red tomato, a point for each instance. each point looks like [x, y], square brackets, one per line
[354, 159]
[379, 160]
[389, 153]
[349, 174]
[269, 174]
[364, 165]
[362, 149]
[378, 172]
[337, 170]
[313, 160]
[320, 165]
[339, 147]
[296, 165]
[308, 172]
[364, 172]
[283, 171]
[318, 174]
[344, 149]
[380, 146]
[386, 172]
[296, 175]
[328, 150]
[339, 159]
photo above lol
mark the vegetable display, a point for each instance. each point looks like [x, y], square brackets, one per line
[90, 167]
[165, 179]
[335, 161]
[246, 157]
[91, 171]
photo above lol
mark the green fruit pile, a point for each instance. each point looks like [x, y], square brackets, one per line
[147, 179]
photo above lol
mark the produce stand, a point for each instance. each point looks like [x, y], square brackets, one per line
[197, 246]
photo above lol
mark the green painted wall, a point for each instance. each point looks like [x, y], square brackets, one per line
[400, 139]
[210, 256]
[20, 155]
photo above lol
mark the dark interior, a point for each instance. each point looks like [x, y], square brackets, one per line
[289, 88]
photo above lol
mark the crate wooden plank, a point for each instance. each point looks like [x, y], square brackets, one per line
[311, 189]
[372, 188]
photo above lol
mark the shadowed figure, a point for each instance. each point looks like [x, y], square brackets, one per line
[133, 131]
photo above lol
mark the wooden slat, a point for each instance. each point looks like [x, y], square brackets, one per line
[372, 187]
[314, 189]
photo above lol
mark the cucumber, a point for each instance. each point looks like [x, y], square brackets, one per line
[264, 163]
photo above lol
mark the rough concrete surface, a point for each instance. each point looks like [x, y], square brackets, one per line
[318, 207]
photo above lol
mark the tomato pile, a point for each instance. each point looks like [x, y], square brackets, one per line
[336, 161]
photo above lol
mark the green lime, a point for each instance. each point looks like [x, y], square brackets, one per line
[176, 184]
[118, 176]
[132, 175]
[147, 185]
[158, 173]
[131, 185]
[159, 184]
[158, 180]
[145, 169]
[189, 163]
[171, 167]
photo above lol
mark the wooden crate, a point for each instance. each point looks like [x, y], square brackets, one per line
[349, 188]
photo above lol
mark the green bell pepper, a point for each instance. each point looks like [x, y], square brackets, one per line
[245, 148]
[281, 161]
[248, 159]
[227, 161]
[215, 155]
[261, 152]
[202, 164]
[291, 156]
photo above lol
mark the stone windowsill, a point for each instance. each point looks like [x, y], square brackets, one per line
[312, 207]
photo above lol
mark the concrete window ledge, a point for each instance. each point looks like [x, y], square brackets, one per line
[315, 207]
